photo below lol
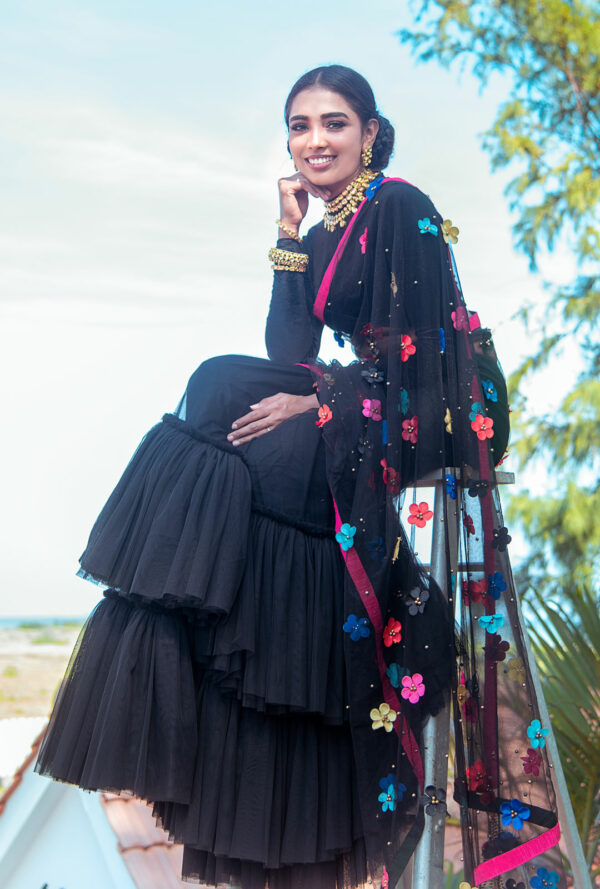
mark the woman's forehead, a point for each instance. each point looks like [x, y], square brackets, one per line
[317, 100]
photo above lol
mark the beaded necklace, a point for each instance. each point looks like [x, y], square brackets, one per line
[346, 203]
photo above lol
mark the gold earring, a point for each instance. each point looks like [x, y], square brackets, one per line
[366, 156]
[295, 167]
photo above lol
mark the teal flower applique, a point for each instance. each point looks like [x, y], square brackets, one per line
[345, 536]
[492, 622]
[426, 226]
[489, 390]
[476, 408]
[395, 673]
[404, 402]
[537, 734]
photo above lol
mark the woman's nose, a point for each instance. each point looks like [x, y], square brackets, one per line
[317, 137]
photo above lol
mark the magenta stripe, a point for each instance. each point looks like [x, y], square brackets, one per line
[324, 287]
[508, 861]
[367, 595]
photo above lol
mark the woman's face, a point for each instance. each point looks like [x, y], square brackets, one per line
[326, 138]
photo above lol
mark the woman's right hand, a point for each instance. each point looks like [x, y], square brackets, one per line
[293, 198]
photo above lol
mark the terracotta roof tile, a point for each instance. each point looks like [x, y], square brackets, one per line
[153, 861]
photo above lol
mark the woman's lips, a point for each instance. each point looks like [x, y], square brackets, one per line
[320, 162]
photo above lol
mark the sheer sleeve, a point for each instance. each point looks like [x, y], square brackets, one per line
[293, 334]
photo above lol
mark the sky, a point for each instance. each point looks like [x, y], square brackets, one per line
[139, 154]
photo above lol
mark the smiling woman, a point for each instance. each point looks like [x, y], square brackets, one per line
[268, 645]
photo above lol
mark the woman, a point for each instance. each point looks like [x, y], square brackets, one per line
[268, 646]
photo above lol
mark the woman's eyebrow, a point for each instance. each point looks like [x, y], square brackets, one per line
[323, 116]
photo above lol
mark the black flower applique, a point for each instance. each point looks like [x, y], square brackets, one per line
[479, 488]
[372, 375]
[415, 600]
[512, 884]
[435, 800]
[504, 842]
[363, 444]
[500, 539]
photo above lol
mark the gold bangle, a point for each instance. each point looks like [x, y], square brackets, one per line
[289, 231]
[287, 260]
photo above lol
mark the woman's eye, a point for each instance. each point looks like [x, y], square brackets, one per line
[336, 124]
[298, 127]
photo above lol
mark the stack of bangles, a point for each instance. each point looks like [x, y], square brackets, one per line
[287, 260]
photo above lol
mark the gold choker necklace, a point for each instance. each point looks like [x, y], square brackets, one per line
[346, 203]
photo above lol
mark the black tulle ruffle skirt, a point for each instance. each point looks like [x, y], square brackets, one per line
[210, 678]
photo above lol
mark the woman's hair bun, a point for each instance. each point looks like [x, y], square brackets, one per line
[383, 145]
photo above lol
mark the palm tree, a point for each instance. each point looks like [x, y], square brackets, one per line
[566, 641]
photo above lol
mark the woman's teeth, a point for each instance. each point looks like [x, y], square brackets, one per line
[315, 161]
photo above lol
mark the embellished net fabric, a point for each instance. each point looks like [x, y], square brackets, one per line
[268, 646]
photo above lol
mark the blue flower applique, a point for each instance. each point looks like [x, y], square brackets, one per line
[496, 584]
[537, 734]
[395, 673]
[393, 792]
[404, 401]
[373, 187]
[442, 340]
[384, 432]
[376, 549]
[489, 390]
[357, 629]
[545, 879]
[426, 226]
[492, 622]
[451, 486]
[339, 338]
[345, 536]
[476, 408]
[514, 814]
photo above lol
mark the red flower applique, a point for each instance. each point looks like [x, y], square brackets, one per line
[363, 242]
[419, 514]
[407, 347]
[471, 710]
[324, 414]
[392, 633]
[410, 429]
[495, 647]
[474, 590]
[532, 762]
[475, 774]
[483, 426]
[485, 791]
[391, 478]
[469, 524]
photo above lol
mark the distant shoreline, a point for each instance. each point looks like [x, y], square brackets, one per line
[27, 622]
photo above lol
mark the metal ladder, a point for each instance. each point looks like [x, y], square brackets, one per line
[426, 870]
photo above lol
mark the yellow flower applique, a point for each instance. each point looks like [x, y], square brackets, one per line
[515, 669]
[383, 717]
[449, 232]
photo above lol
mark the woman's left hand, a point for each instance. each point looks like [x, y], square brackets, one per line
[269, 413]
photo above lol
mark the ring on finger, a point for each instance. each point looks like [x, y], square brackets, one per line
[268, 428]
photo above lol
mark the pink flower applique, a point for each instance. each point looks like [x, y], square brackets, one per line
[363, 242]
[413, 688]
[372, 408]
[483, 426]
[410, 429]
[407, 347]
[419, 514]
[469, 524]
[460, 319]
